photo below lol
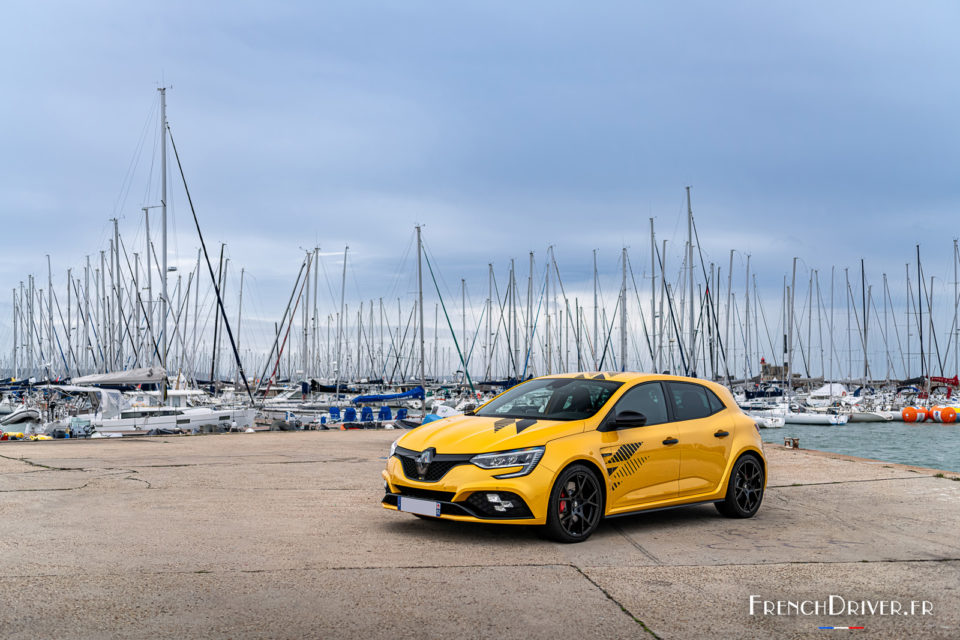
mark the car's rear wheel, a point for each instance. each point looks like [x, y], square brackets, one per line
[745, 489]
[576, 505]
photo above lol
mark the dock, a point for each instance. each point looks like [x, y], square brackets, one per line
[281, 535]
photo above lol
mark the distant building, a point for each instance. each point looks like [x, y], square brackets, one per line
[771, 372]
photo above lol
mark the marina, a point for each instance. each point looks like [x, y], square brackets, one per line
[482, 320]
[130, 345]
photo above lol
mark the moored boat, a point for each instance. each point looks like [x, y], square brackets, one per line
[828, 419]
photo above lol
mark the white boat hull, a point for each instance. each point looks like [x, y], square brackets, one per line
[816, 418]
[769, 421]
[185, 419]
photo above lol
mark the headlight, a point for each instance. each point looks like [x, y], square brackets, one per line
[526, 458]
[393, 447]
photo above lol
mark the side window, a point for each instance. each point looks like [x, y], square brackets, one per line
[646, 398]
[715, 403]
[689, 401]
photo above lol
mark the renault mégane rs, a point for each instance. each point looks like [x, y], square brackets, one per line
[565, 451]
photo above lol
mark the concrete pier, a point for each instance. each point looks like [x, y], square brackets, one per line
[281, 535]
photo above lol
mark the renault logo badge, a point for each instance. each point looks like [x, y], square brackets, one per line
[424, 460]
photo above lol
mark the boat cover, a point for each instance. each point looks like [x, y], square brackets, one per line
[146, 375]
[416, 392]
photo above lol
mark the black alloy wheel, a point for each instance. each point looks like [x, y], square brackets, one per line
[576, 505]
[745, 490]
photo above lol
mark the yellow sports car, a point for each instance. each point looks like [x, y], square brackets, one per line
[564, 451]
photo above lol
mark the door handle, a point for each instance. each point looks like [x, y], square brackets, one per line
[671, 441]
[722, 434]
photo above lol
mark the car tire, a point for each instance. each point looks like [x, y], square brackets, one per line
[576, 505]
[744, 490]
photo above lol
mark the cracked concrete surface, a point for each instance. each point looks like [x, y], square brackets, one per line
[281, 535]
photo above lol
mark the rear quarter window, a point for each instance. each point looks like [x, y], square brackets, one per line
[716, 404]
[693, 401]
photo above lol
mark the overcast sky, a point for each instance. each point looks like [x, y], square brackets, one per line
[827, 131]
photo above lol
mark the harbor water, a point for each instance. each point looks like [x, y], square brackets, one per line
[927, 444]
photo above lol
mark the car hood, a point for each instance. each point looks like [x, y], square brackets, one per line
[477, 434]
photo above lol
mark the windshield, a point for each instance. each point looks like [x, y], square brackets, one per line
[552, 399]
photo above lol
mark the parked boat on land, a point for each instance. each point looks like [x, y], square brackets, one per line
[146, 419]
[21, 415]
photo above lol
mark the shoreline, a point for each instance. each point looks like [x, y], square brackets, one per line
[842, 456]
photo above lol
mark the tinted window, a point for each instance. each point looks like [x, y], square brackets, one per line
[715, 403]
[689, 401]
[647, 399]
[552, 399]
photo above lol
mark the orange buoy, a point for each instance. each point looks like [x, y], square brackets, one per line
[933, 413]
[948, 415]
[911, 414]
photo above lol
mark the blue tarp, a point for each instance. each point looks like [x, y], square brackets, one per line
[416, 392]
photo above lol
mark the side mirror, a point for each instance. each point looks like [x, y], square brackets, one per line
[628, 419]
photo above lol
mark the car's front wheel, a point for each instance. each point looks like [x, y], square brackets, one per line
[745, 489]
[576, 505]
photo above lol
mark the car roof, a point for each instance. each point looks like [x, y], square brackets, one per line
[624, 376]
[637, 376]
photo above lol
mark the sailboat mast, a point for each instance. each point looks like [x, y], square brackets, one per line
[423, 377]
[305, 321]
[163, 244]
[623, 313]
[87, 345]
[789, 306]
[956, 300]
[846, 275]
[341, 320]
[117, 284]
[923, 363]
[488, 346]
[549, 346]
[50, 315]
[726, 331]
[746, 340]
[16, 371]
[863, 296]
[692, 330]
[653, 299]
[596, 334]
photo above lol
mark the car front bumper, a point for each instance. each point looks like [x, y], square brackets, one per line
[462, 490]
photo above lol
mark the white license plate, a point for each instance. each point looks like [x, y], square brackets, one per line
[423, 507]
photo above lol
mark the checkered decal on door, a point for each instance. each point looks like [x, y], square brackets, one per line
[622, 464]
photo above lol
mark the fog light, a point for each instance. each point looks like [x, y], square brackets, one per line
[499, 505]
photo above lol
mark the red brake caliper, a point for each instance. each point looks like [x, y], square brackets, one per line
[563, 505]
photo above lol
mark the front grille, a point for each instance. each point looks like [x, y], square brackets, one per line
[435, 471]
[441, 464]
[426, 494]
[483, 508]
